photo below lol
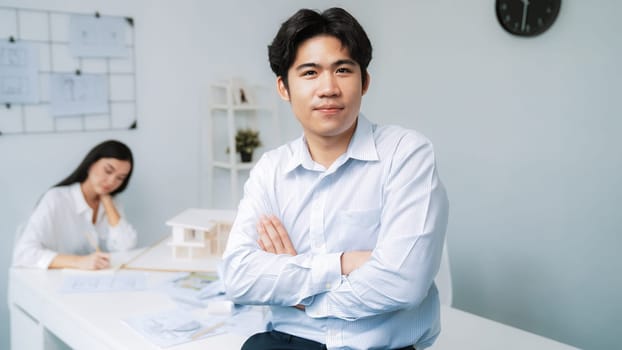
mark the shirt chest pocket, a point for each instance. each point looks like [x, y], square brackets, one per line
[357, 229]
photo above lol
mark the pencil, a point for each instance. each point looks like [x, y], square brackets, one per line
[206, 330]
[126, 265]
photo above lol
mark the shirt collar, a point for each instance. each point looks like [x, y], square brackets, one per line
[362, 147]
[300, 154]
[78, 198]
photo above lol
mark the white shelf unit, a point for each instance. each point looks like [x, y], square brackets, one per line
[226, 115]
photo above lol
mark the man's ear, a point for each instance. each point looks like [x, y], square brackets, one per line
[281, 88]
[367, 81]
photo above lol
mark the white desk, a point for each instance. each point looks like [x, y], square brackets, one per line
[87, 321]
[463, 330]
[92, 321]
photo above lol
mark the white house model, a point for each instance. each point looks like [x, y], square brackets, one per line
[200, 233]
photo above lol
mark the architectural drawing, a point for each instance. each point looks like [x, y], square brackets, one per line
[19, 73]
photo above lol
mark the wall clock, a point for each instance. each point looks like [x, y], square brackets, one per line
[527, 17]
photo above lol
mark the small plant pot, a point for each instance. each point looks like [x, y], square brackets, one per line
[246, 157]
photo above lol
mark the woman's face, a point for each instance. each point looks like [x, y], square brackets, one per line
[107, 174]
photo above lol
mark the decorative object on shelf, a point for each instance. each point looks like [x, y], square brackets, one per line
[227, 114]
[527, 17]
[241, 93]
[246, 140]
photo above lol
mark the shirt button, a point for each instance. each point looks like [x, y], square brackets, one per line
[327, 285]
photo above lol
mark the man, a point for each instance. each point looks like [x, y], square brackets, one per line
[340, 231]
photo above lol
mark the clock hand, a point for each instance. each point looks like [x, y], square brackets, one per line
[525, 5]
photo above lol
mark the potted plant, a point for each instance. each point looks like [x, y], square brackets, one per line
[246, 140]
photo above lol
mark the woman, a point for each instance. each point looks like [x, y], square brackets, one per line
[77, 220]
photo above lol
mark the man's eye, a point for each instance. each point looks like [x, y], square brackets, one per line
[308, 73]
[343, 70]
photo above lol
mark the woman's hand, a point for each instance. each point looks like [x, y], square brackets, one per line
[93, 261]
[111, 211]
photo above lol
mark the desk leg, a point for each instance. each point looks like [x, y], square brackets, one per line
[26, 331]
[52, 342]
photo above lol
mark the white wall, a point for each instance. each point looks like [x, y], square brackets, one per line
[525, 133]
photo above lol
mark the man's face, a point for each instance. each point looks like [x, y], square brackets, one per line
[325, 88]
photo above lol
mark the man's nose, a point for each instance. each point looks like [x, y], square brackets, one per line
[328, 85]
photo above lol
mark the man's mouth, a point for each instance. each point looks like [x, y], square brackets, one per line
[328, 108]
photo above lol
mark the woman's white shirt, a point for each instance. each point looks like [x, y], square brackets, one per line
[60, 224]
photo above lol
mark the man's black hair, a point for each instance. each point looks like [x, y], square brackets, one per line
[306, 24]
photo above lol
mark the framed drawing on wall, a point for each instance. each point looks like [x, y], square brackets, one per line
[66, 72]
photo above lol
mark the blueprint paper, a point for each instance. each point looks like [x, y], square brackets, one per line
[91, 36]
[19, 73]
[104, 282]
[72, 94]
[172, 327]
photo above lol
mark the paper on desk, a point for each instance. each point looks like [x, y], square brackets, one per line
[194, 288]
[103, 282]
[173, 327]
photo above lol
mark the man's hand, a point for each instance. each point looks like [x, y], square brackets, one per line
[273, 238]
[351, 261]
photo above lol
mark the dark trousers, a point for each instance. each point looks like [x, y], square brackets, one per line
[275, 340]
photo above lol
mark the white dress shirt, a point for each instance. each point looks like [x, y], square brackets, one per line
[59, 225]
[383, 194]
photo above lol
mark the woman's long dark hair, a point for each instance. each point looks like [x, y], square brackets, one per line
[107, 149]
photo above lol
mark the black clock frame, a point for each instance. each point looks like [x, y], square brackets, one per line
[541, 15]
